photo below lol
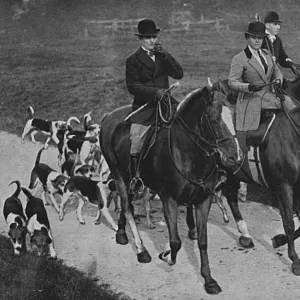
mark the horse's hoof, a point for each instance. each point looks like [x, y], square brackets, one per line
[121, 237]
[278, 240]
[144, 257]
[296, 269]
[82, 222]
[61, 217]
[164, 256]
[212, 288]
[52, 257]
[226, 220]
[246, 242]
[193, 234]
[96, 222]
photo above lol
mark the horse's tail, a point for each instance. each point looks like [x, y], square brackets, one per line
[18, 190]
[101, 134]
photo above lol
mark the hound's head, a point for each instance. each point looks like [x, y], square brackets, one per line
[40, 241]
[59, 183]
[17, 233]
[85, 171]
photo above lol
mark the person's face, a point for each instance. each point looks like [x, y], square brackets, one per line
[273, 28]
[148, 41]
[255, 42]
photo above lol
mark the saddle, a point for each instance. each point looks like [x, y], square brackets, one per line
[256, 137]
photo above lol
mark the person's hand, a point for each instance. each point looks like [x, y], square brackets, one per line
[159, 49]
[159, 94]
[278, 83]
[254, 88]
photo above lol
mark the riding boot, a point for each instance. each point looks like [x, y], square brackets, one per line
[136, 184]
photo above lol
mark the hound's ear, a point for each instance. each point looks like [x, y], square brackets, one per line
[13, 226]
[49, 240]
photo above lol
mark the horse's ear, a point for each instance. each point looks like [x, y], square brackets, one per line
[206, 93]
[209, 83]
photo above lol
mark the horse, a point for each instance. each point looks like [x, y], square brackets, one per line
[280, 163]
[181, 166]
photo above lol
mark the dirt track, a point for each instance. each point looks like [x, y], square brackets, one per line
[259, 273]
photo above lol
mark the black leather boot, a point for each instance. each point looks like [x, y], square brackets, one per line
[136, 184]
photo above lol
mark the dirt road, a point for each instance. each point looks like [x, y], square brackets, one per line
[259, 273]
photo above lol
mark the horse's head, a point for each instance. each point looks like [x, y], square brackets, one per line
[218, 120]
[208, 114]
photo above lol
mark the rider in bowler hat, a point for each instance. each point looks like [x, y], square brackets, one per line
[147, 78]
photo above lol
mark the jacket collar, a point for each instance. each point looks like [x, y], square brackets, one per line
[144, 58]
[256, 65]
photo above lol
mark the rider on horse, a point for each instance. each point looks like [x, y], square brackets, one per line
[147, 72]
[252, 73]
[273, 43]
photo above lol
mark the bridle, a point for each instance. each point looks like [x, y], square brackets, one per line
[202, 143]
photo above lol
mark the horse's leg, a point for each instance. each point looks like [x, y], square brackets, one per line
[285, 200]
[202, 210]
[242, 192]
[146, 199]
[219, 199]
[190, 221]
[231, 192]
[281, 239]
[127, 214]
[170, 213]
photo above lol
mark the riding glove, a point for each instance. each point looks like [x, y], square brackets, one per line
[159, 49]
[159, 94]
[254, 88]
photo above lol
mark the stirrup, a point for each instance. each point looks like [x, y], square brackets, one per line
[136, 186]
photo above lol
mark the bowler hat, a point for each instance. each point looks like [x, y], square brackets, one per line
[256, 29]
[272, 17]
[147, 27]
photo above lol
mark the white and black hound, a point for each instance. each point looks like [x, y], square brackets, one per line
[52, 181]
[48, 127]
[39, 238]
[86, 189]
[15, 219]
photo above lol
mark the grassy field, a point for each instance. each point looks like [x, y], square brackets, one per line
[29, 277]
[61, 72]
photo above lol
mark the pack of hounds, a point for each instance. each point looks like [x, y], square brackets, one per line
[84, 174]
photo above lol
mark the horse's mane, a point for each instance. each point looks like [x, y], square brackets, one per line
[297, 79]
[183, 104]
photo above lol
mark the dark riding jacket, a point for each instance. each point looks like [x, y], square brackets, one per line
[144, 77]
[277, 50]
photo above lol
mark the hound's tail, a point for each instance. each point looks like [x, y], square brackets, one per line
[87, 119]
[27, 193]
[72, 172]
[18, 190]
[72, 119]
[38, 158]
[30, 111]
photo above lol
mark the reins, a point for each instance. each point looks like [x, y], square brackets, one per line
[280, 94]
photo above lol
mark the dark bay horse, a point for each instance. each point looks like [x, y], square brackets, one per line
[280, 159]
[181, 167]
